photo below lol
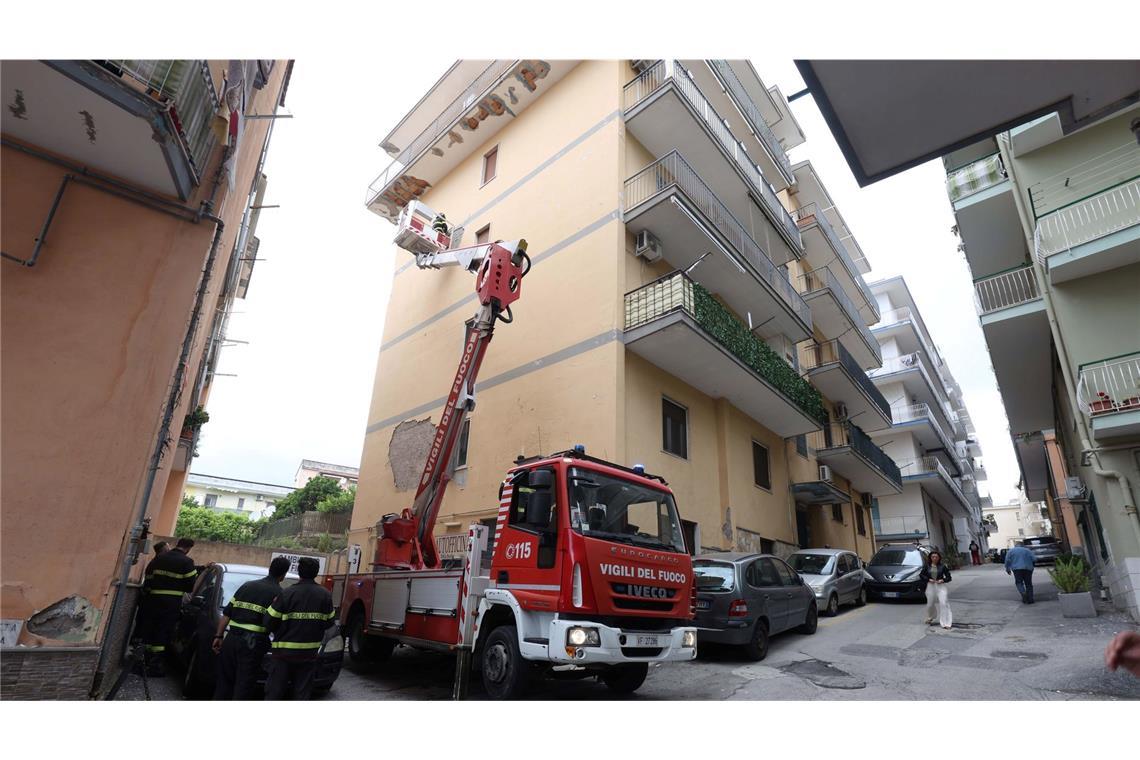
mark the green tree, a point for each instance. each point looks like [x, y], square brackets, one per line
[189, 501]
[205, 524]
[341, 502]
[307, 498]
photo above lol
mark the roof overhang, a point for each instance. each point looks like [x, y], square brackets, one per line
[889, 116]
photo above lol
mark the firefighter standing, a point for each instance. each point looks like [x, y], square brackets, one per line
[298, 620]
[247, 641]
[168, 576]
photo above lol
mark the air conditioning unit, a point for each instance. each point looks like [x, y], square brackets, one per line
[647, 247]
[1074, 487]
[840, 411]
[825, 473]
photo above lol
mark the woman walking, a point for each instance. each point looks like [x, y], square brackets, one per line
[937, 575]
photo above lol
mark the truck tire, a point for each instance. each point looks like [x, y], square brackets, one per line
[626, 678]
[505, 673]
[361, 646]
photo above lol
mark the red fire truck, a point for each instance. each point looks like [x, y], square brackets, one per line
[588, 575]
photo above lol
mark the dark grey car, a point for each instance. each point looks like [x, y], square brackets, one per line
[744, 599]
[1045, 549]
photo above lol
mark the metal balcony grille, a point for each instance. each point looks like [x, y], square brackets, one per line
[1001, 291]
[821, 279]
[752, 115]
[1101, 215]
[814, 355]
[811, 213]
[838, 434]
[1110, 386]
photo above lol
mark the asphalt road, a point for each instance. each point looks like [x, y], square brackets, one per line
[997, 649]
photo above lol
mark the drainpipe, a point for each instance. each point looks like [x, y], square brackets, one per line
[1063, 352]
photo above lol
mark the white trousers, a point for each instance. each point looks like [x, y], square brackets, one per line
[937, 597]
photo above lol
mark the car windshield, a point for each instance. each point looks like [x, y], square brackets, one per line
[813, 564]
[714, 576]
[232, 581]
[606, 507]
[907, 557]
[1042, 541]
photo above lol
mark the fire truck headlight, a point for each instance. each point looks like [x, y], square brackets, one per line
[583, 637]
[689, 639]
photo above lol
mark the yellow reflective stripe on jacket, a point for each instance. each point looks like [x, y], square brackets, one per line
[249, 627]
[165, 592]
[274, 613]
[248, 606]
[308, 616]
[296, 645]
[170, 574]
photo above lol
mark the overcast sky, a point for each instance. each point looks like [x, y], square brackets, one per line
[314, 316]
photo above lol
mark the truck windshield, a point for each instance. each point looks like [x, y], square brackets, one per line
[606, 507]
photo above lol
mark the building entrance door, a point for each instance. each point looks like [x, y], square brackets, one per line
[803, 527]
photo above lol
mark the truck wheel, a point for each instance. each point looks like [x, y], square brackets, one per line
[626, 678]
[361, 646]
[505, 673]
[757, 649]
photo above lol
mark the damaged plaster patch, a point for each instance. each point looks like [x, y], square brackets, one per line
[17, 107]
[727, 527]
[70, 619]
[89, 125]
[408, 450]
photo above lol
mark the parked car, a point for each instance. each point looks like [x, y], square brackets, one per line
[201, 612]
[1001, 556]
[744, 599]
[1045, 549]
[894, 572]
[834, 575]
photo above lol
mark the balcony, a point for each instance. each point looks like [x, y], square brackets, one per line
[903, 527]
[832, 370]
[774, 160]
[937, 482]
[909, 332]
[665, 111]
[677, 325]
[823, 249]
[148, 122]
[911, 370]
[844, 447]
[1088, 218]
[674, 204]
[1109, 394]
[491, 99]
[988, 224]
[1016, 329]
[836, 317]
[924, 425]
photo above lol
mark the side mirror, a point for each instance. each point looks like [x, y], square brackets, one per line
[541, 479]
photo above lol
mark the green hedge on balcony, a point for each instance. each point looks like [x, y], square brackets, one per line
[734, 336]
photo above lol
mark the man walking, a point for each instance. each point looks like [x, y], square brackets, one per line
[298, 620]
[1019, 561]
[168, 576]
[243, 647]
[975, 553]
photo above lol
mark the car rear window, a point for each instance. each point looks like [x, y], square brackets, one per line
[906, 557]
[1041, 541]
[714, 576]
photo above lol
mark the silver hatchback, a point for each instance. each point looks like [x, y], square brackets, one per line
[835, 576]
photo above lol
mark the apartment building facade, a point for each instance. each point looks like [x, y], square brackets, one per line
[1049, 218]
[310, 468]
[233, 496]
[1016, 520]
[680, 281]
[127, 195]
[931, 437]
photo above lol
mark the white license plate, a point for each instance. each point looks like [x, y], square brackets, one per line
[646, 641]
[703, 604]
[890, 595]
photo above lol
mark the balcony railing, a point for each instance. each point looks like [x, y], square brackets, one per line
[1110, 386]
[672, 170]
[820, 279]
[814, 355]
[752, 115]
[894, 316]
[975, 177]
[837, 434]
[913, 412]
[677, 292]
[898, 364]
[1101, 215]
[904, 525]
[931, 466]
[1006, 289]
[646, 83]
[189, 89]
[1085, 180]
[810, 213]
[442, 123]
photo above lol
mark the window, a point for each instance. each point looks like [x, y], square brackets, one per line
[211, 500]
[675, 428]
[461, 446]
[760, 470]
[767, 546]
[606, 506]
[483, 235]
[241, 502]
[714, 576]
[801, 445]
[788, 576]
[527, 498]
[762, 574]
[837, 512]
[845, 564]
[490, 160]
[860, 522]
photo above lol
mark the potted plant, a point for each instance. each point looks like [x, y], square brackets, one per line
[1102, 404]
[1132, 402]
[193, 422]
[1071, 577]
